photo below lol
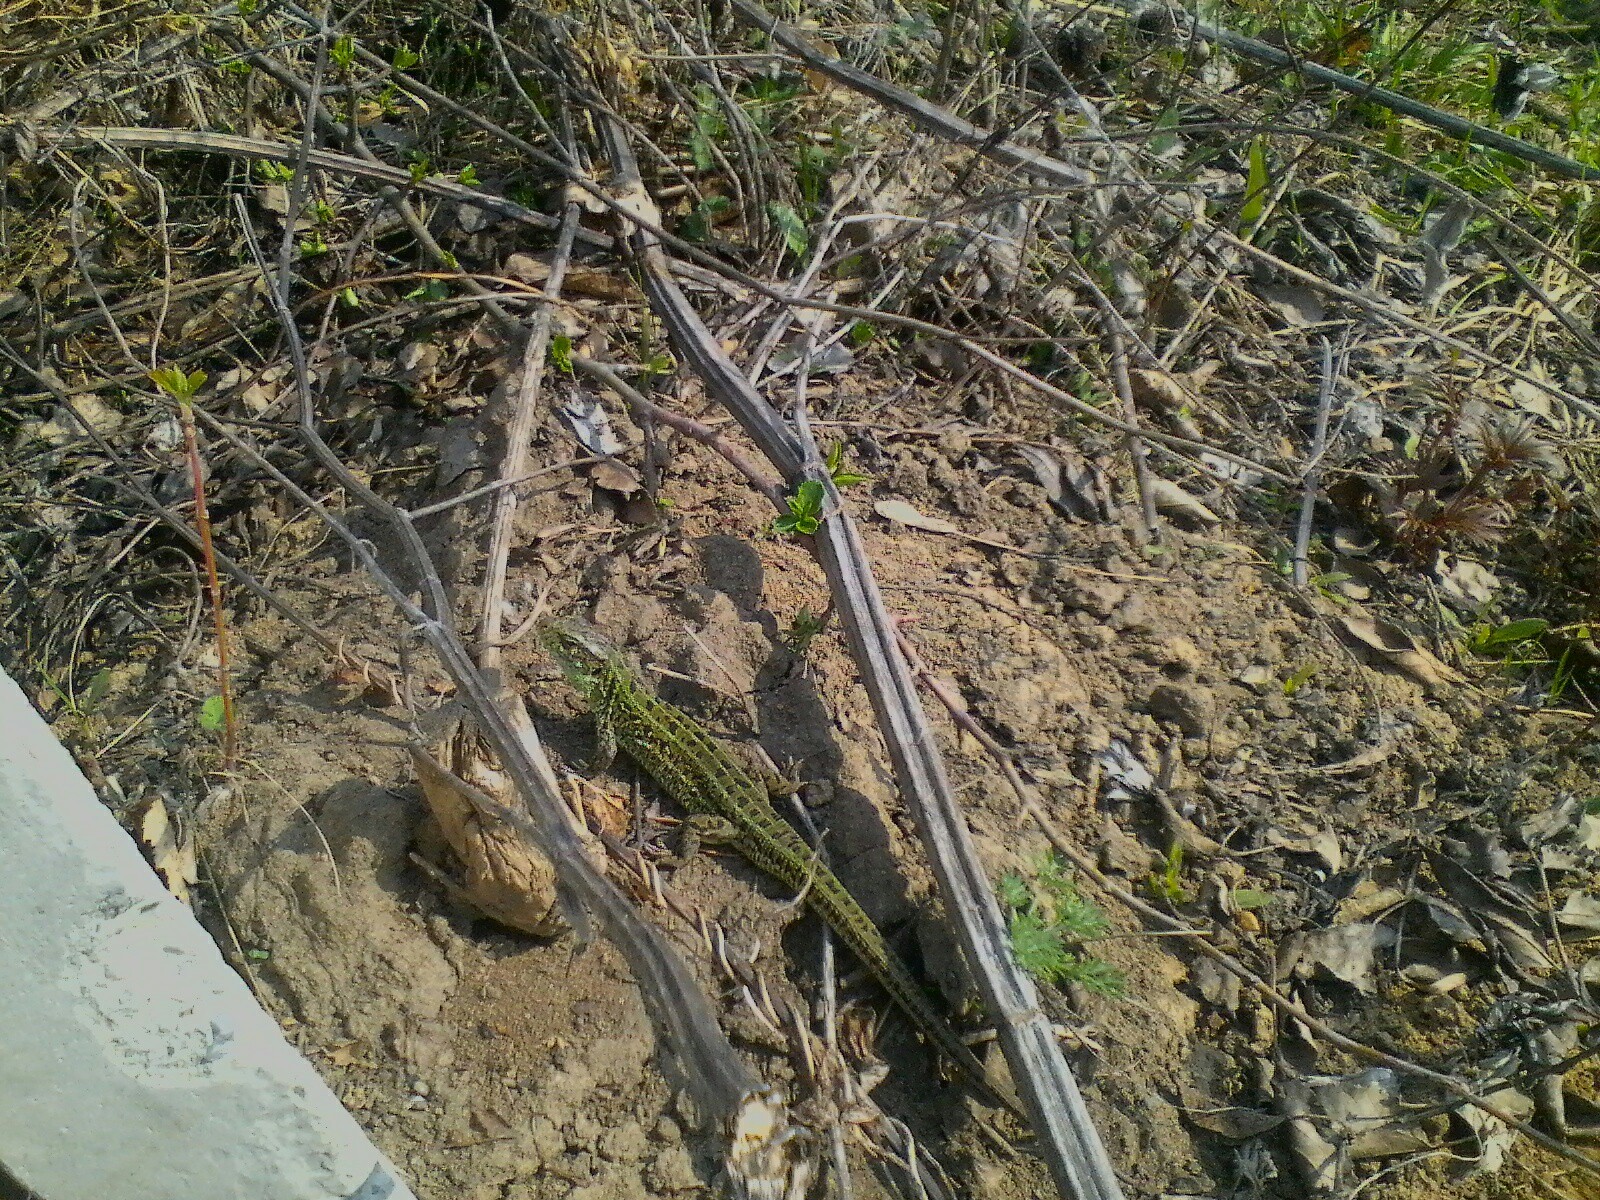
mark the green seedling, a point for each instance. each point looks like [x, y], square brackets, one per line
[1299, 679]
[1047, 917]
[697, 226]
[405, 59]
[842, 478]
[805, 509]
[182, 388]
[419, 168]
[561, 353]
[211, 715]
[788, 223]
[861, 333]
[1167, 884]
[709, 127]
[802, 630]
[1501, 640]
[274, 172]
[1249, 899]
[343, 51]
[468, 176]
[1255, 192]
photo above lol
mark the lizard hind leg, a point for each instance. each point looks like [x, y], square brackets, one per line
[699, 829]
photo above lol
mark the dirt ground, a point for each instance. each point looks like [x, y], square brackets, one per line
[492, 1064]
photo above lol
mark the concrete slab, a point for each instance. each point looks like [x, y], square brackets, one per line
[134, 1063]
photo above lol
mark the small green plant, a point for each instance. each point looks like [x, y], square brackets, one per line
[349, 297]
[1302, 676]
[709, 127]
[275, 172]
[1047, 917]
[805, 509]
[697, 226]
[405, 59]
[1167, 883]
[83, 704]
[842, 478]
[788, 223]
[1249, 899]
[1498, 641]
[805, 626]
[861, 333]
[468, 176]
[211, 714]
[419, 167]
[434, 290]
[343, 51]
[561, 353]
[1255, 192]
[182, 388]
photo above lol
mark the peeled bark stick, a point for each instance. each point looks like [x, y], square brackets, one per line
[1067, 1137]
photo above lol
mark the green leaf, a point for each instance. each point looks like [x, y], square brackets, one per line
[99, 688]
[1255, 191]
[1299, 679]
[176, 384]
[1246, 899]
[1037, 946]
[1014, 891]
[211, 714]
[1510, 634]
[660, 364]
[862, 332]
[791, 226]
[1163, 143]
[842, 478]
[349, 297]
[468, 176]
[257, 955]
[709, 126]
[809, 496]
[561, 352]
[405, 59]
[343, 51]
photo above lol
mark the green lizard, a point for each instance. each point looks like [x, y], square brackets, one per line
[701, 775]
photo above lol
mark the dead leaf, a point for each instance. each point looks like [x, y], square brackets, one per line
[614, 476]
[1075, 486]
[1297, 304]
[1581, 912]
[171, 854]
[1346, 952]
[1235, 1124]
[1391, 646]
[904, 514]
[1367, 1109]
[1174, 501]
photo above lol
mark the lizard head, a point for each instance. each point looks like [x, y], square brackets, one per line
[579, 650]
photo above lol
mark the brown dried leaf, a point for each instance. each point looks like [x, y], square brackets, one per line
[171, 854]
[1391, 645]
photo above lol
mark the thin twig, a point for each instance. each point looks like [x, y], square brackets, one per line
[518, 432]
[1319, 444]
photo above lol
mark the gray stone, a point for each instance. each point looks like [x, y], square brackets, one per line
[1187, 705]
